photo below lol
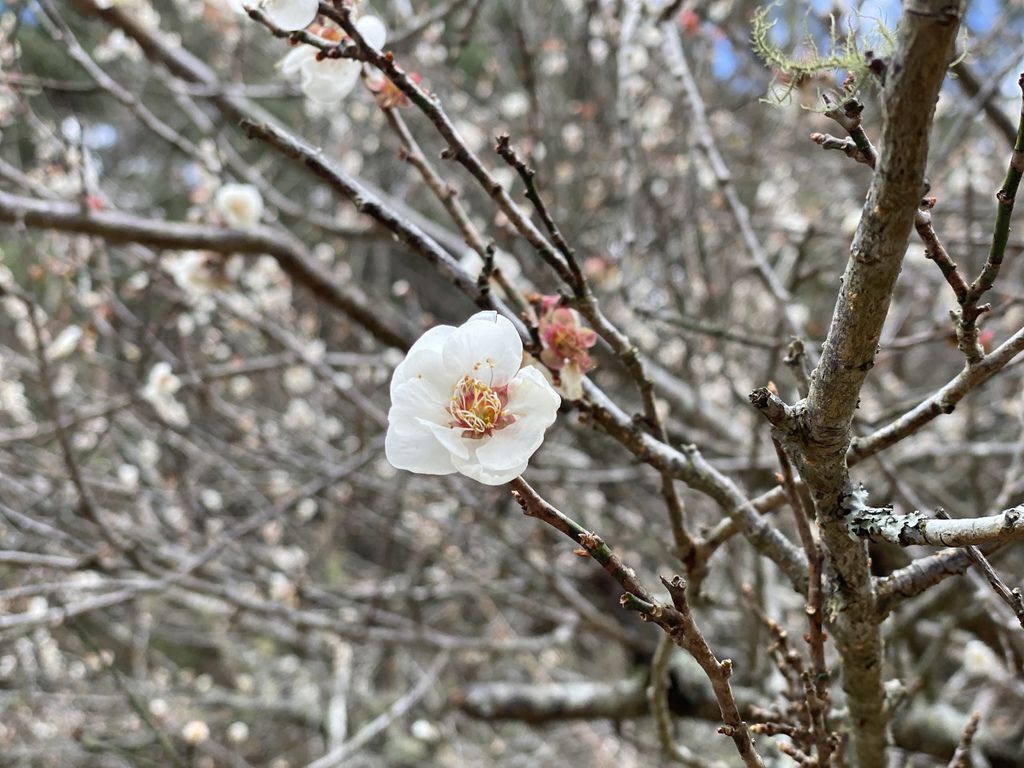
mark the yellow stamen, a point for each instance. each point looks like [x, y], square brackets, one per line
[475, 407]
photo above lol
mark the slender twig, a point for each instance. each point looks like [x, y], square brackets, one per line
[528, 175]
[689, 637]
[676, 619]
[679, 68]
[970, 309]
[1012, 597]
[414, 155]
[457, 150]
[803, 512]
[686, 546]
[962, 757]
[383, 721]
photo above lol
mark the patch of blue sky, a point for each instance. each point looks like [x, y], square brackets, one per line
[724, 62]
[779, 33]
[982, 15]
[885, 11]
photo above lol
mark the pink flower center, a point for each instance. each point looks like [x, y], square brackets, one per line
[478, 409]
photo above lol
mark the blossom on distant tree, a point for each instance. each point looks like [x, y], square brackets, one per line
[460, 402]
[161, 384]
[328, 80]
[65, 343]
[191, 272]
[239, 205]
[566, 345]
[195, 732]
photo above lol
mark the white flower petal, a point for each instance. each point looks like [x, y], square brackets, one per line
[296, 59]
[328, 81]
[487, 347]
[412, 447]
[485, 476]
[373, 31]
[572, 381]
[534, 403]
[530, 396]
[239, 205]
[420, 398]
[511, 446]
[65, 343]
[424, 360]
[171, 411]
[291, 14]
[452, 439]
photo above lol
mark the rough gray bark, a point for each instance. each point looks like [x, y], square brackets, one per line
[818, 431]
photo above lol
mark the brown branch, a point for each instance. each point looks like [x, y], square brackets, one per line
[803, 511]
[688, 636]
[936, 251]
[692, 468]
[882, 524]
[687, 547]
[413, 154]
[366, 202]
[922, 574]
[962, 756]
[457, 147]
[970, 309]
[676, 619]
[527, 174]
[294, 259]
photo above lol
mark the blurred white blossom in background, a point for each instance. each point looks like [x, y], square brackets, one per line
[159, 393]
[239, 205]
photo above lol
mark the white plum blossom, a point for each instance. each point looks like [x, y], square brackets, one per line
[239, 205]
[211, 499]
[306, 509]
[195, 732]
[298, 379]
[65, 343]
[13, 401]
[460, 402]
[328, 80]
[290, 14]
[981, 661]
[299, 416]
[159, 393]
[190, 272]
[238, 732]
[128, 477]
